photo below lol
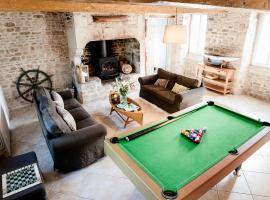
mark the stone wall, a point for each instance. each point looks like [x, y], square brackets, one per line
[30, 40]
[226, 36]
[96, 89]
[128, 49]
[81, 29]
[233, 34]
[257, 82]
[226, 33]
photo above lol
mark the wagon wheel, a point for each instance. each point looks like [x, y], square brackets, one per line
[30, 80]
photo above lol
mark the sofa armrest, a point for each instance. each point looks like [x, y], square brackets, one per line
[78, 138]
[178, 98]
[65, 94]
[196, 93]
[148, 80]
[190, 95]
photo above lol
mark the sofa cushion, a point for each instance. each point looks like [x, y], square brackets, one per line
[85, 123]
[167, 75]
[67, 117]
[54, 123]
[42, 92]
[79, 114]
[45, 102]
[152, 89]
[188, 82]
[166, 96]
[71, 104]
[58, 100]
[160, 93]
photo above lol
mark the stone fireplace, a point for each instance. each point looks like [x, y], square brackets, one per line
[106, 57]
[104, 47]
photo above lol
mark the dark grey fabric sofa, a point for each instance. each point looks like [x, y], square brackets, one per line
[164, 98]
[74, 150]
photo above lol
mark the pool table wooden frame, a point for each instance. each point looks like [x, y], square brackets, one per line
[198, 186]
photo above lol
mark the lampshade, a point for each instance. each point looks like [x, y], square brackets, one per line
[175, 34]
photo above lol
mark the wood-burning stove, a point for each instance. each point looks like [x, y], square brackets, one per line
[106, 67]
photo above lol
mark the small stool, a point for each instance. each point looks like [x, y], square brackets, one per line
[11, 164]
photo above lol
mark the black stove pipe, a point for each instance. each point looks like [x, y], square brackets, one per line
[103, 48]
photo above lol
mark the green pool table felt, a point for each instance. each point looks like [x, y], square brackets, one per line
[173, 161]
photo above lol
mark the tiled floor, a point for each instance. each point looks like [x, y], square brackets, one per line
[103, 180]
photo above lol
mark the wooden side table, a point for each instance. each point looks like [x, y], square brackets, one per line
[122, 113]
[216, 78]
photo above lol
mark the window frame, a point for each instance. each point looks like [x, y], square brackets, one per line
[198, 51]
[259, 26]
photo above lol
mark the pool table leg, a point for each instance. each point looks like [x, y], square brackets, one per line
[236, 171]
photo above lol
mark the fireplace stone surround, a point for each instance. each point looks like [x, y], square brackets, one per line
[81, 30]
[110, 55]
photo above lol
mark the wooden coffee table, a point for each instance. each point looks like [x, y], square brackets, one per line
[126, 116]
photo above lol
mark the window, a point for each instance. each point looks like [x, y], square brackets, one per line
[198, 27]
[157, 50]
[261, 52]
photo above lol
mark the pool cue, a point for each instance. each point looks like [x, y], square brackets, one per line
[143, 132]
[152, 128]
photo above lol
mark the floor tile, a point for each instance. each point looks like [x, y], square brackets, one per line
[104, 180]
[233, 183]
[210, 195]
[95, 186]
[265, 150]
[60, 196]
[104, 166]
[107, 187]
[18, 148]
[256, 163]
[255, 197]
[29, 133]
[233, 196]
[258, 183]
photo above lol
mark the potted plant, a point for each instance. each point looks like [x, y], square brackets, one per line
[122, 88]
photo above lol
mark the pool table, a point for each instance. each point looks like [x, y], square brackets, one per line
[164, 164]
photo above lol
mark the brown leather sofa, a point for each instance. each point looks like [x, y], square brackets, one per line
[164, 97]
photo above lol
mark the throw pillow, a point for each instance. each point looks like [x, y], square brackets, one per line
[42, 92]
[57, 99]
[178, 89]
[67, 117]
[161, 82]
[167, 75]
[44, 103]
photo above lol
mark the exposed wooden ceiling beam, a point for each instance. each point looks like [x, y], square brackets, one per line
[249, 4]
[117, 7]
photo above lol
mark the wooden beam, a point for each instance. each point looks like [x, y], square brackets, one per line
[113, 18]
[249, 4]
[115, 7]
